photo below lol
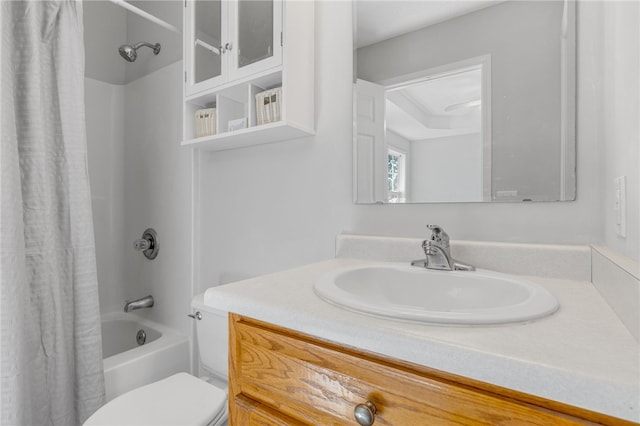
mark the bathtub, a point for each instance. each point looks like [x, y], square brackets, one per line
[128, 365]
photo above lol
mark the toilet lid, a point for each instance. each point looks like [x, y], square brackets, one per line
[177, 400]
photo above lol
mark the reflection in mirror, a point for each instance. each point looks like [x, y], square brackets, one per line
[464, 101]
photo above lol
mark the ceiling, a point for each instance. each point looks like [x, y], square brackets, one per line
[438, 107]
[379, 20]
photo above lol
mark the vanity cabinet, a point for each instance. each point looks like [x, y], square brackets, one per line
[237, 49]
[282, 377]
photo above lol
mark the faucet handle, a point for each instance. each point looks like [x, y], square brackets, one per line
[438, 235]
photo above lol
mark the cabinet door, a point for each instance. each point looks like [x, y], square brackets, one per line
[206, 27]
[256, 32]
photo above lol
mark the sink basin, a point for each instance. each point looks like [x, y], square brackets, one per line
[407, 292]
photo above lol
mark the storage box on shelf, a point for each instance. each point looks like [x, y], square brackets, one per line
[268, 106]
[206, 123]
[270, 100]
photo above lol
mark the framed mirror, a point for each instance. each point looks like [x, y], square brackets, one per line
[466, 101]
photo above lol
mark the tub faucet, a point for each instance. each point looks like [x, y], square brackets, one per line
[438, 253]
[145, 302]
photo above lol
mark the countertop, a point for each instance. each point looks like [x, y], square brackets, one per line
[581, 355]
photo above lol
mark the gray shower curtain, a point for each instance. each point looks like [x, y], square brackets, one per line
[50, 344]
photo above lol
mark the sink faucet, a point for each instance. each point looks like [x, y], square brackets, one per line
[145, 302]
[438, 253]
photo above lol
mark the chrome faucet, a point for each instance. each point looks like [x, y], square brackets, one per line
[438, 253]
[145, 302]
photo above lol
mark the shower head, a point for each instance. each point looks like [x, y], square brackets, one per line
[129, 53]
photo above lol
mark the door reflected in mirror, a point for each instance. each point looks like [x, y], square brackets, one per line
[464, 101]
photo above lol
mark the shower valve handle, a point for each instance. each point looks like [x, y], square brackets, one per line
[142, 244]
[148, 244]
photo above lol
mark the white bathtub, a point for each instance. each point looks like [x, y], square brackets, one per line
[128, 365]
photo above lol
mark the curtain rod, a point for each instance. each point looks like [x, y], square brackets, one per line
[145, 15]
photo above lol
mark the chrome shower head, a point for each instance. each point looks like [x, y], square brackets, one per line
[129, 53]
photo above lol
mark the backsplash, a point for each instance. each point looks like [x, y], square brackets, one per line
[572, 262]
[617, 278]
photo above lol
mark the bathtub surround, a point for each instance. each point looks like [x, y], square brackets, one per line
[50, 343]
[104, 103]
[140, 173]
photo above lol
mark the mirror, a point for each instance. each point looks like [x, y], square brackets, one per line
[465, 101]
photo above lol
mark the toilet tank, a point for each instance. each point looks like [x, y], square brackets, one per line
[212, 338]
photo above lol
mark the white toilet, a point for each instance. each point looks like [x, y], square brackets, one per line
[181, 399]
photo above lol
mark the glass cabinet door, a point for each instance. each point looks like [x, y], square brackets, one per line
[257, 26]
[207, 35]
[230, 39]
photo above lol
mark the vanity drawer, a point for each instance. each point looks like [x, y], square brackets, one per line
[317, 382]
[248, 412]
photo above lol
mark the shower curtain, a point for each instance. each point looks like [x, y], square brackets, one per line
[50, 344]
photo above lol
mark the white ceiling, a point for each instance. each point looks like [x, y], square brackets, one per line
[379, 20]
[437, 107]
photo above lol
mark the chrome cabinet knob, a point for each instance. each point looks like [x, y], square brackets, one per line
[365, 414]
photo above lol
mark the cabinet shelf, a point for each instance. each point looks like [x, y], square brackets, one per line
[258, 135]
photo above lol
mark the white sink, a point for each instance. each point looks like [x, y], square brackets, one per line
[408, 292]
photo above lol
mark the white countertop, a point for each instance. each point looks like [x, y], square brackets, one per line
[582, 355]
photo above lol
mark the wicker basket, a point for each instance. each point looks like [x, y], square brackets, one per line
[206, 122]
[268, 106]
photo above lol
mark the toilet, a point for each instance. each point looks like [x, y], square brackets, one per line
[181, 399]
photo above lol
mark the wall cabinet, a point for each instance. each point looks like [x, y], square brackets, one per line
[282, 377]
[237, 49]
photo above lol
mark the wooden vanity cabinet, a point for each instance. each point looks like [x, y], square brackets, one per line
[282, 377]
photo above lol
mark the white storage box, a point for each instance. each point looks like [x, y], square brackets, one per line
[205, 122]
[268, 106]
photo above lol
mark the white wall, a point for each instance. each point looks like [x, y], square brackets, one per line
[620, 112]
[447, 169]
[277, 206]
[272, 207]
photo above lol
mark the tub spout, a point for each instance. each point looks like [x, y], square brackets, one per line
[145, 302]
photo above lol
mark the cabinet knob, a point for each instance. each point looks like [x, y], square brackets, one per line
[365, 414]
